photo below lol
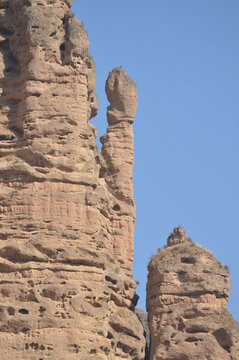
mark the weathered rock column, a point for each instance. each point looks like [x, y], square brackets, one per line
[187, 293]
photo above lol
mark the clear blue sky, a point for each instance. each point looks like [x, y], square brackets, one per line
[184, 57]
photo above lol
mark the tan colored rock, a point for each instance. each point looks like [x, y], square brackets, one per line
[66, 237]
[118, 143]
[187, 293]
[118, 154]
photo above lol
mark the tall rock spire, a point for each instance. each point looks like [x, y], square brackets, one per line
[66, 235]
[118, 153]
[118, 143]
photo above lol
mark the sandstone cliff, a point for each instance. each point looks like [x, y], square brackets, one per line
[67, 212]
[187, 293]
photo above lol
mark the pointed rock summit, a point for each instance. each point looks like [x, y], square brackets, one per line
[187, 294]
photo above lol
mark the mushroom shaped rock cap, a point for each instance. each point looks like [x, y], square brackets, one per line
[122, 95]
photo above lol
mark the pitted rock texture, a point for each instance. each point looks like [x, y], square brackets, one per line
[66, 236]
[187, 293]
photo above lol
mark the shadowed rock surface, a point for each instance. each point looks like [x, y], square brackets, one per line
[143, 317]
[187, 294]
[67, 212]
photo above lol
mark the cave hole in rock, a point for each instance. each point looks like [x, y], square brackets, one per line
[188, 260]
[23, 311]
[116, 207]
[110, 336]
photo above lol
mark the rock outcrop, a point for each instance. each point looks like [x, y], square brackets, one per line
[187, 293]
[66, 211]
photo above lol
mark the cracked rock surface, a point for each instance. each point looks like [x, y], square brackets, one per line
[187, 294]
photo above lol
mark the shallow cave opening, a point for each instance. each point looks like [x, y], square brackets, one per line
[188, 260]
[116, 207]
[23, 311]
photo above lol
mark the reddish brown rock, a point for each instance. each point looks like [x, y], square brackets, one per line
[66, 237]
[187, 293]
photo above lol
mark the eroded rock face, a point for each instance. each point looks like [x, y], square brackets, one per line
[187, 293]
[66, 249]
